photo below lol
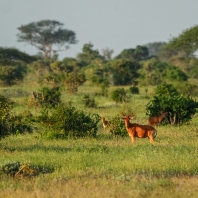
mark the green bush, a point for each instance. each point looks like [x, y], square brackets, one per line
[11, 123]
[12, 74]
[89, 102]
[187, 89]
[118, 95]
[15, 169]
[173, 73]
[134, 90]
[20, 123]
[117, 127]
[180, 108]
[5, 108]
[49, 97]
[66, 121]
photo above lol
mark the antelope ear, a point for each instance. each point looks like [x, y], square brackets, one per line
[123, 114]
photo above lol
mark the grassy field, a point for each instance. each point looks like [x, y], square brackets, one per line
[105, 166]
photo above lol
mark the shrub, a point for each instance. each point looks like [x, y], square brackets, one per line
[175, 74]
[180, 108]
[20, 123]
[118, 95]
[134, 90]
[45, 97]
[12, 74]
[66, 121]
[24, 169]
[11, 123]
[117, 127]
[187, 89]
[5, 108]
[89, 102]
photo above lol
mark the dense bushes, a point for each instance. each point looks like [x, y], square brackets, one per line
[155, 72]
[180, 108]
[118, 95]
[65, 121]
[117, 127]
[11, 123]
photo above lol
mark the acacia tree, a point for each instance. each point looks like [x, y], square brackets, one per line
[45, 34]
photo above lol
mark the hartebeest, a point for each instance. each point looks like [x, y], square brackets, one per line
[140, 131]
[105, 123]
[156, 120]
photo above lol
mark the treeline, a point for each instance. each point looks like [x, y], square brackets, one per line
[169, 66]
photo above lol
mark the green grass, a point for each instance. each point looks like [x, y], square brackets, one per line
[105, 166]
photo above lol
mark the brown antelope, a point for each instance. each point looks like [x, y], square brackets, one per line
[140, 131]
[156, 120]
[105, 123]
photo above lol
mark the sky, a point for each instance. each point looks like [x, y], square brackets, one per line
[113, 24]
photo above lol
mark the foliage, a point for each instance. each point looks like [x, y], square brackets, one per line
[73, 81]
[139, 53]
[9, 56]
[154, 48]
[46, 33]
[155, 72]
[107, 53]
[13, 65]
[193, 71]
[50, 96]
[117, 127]
[175, 74]
[186, 88]
[12, 74]
[180, 108]
[65, 121]
[89, 102]
[11, 123]
[99, 76]
[134, 90]
[88, 54]
[5, 108]
[186, 41]
[71, 65]
[24, 169]
[20, 123]
[124, 71]
[118, 95]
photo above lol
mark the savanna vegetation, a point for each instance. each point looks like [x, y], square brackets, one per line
[52, 141]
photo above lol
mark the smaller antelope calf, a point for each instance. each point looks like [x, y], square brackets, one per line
[156, 120]
[105, 123]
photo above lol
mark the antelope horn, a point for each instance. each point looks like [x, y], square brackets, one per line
[123, 114]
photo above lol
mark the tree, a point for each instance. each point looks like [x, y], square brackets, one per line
[13, 65]
[124, 71]
[186, 41]
[88, 54]
[8, 56]
[46, 33]
[139, 53]
[154, 48]
[107, 53]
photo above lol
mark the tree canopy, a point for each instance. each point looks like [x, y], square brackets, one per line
[186, 41]
[45, 34]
